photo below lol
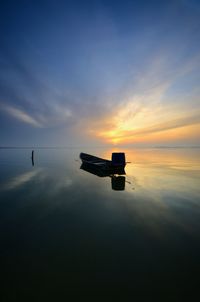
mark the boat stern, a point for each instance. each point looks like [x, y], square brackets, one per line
[118, 159]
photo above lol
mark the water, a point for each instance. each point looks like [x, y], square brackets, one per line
[65, 230]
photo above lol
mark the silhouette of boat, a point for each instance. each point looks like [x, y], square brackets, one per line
[117, 161]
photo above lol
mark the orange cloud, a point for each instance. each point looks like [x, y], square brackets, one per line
[181, 128]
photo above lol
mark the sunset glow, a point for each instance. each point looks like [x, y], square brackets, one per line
[151, 125]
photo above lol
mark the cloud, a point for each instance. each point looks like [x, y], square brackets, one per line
[168, 125]
[21, 116]
[147, 108]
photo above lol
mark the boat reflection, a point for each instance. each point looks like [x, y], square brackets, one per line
[118, 182]
[116, 175]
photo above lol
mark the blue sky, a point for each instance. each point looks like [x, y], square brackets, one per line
[99, 72]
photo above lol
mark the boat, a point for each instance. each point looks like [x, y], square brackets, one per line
[114, 166]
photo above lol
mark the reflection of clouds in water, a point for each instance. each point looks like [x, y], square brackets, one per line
[155, 207]
[166, 195]
[53, 182]
[162, 173]
[58, 182]
[62, 184]
[20, 180]
[151, 214]
[166, 183]
[55, 189]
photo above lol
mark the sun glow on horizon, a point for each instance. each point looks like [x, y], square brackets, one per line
[150, 125]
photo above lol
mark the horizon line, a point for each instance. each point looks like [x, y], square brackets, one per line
[76, 147]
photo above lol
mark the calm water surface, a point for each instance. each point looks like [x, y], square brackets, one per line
[63, 229]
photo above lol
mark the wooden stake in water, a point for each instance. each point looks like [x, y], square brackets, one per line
[32, 157]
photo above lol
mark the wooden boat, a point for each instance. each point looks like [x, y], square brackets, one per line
[102, 166]
[93, 160]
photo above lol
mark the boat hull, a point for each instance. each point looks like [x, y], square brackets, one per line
[99, 166]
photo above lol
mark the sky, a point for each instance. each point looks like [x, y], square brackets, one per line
[96, 73]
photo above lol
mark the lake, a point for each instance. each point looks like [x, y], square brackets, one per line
[65, 230]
